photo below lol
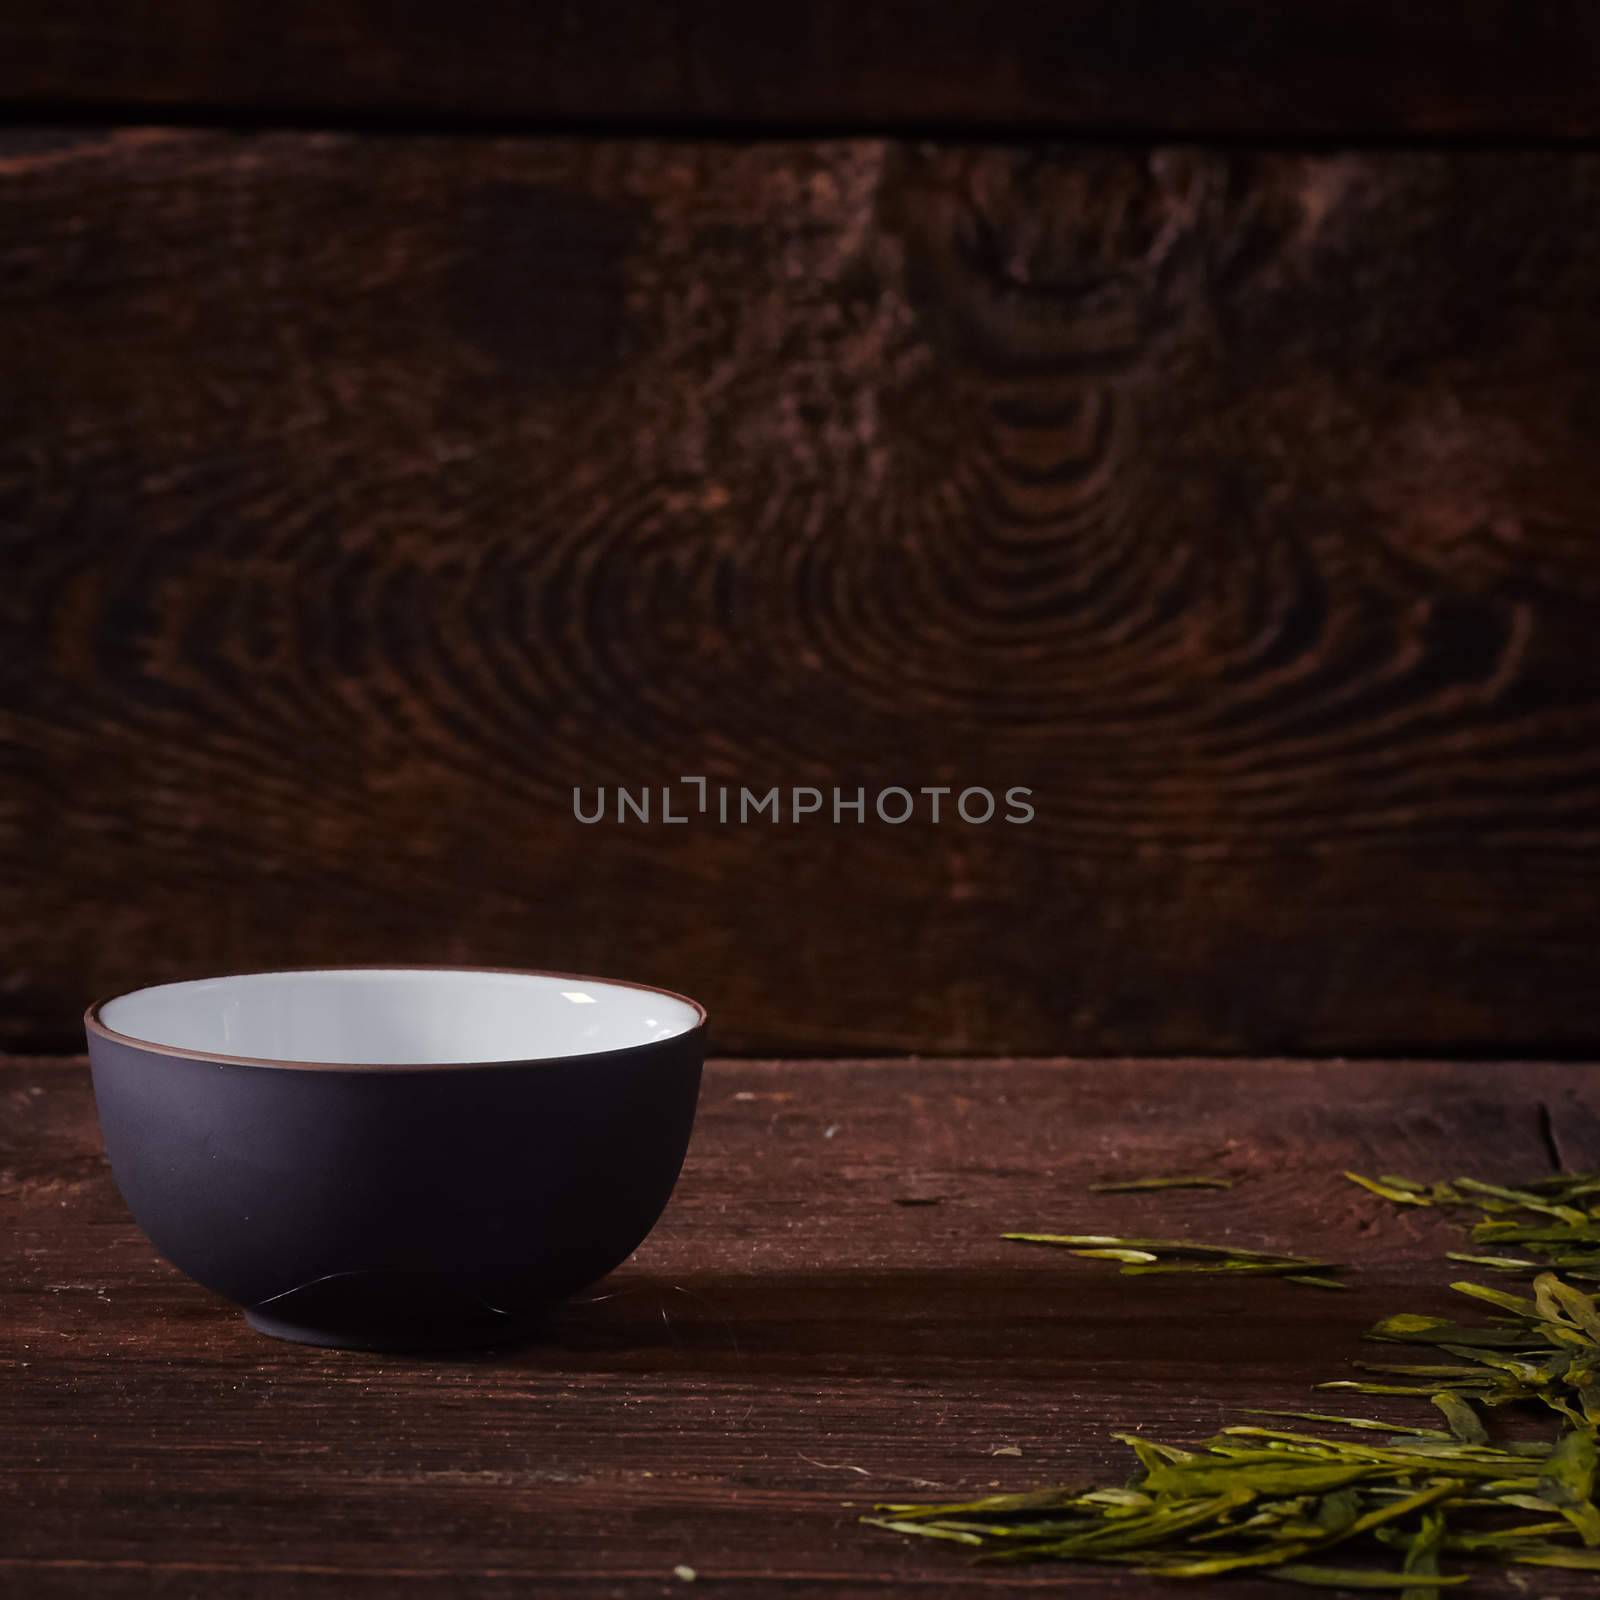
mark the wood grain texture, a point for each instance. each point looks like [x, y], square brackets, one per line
[360, 498]
[1372, 67]
[826, 1316]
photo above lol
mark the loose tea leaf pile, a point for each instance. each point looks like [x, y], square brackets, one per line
[1559, 1225]
[1276, 1501]
[1353, 1512]
[1545, 1351]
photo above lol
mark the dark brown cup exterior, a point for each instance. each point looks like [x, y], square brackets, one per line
[393, 1208]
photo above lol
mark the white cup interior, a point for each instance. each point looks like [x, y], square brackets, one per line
[376, 1016]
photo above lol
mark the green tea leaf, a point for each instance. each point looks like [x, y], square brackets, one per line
[1243, 1265]
[1514, 1303]
[1174, 1247]
[923, 1530]
[1365, 1423]
[1576, 1306]
[1411, 1194]
[1464, 1421]
[1411, 1329]
[1567, 1483]
[1555, 1556]
[1141, 1185]
[1161, 1257]
[1421, 1562]
[1365, 1578]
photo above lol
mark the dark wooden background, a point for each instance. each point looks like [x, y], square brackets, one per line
[407, 415]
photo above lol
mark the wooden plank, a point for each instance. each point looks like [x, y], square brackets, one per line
[797, 1339]
[362, 498]
[1251, 67]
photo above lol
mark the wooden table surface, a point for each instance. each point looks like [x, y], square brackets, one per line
[826, 1316]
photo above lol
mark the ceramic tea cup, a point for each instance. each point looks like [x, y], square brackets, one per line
[396, 1157]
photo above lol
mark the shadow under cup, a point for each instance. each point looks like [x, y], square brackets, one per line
[396, 1157]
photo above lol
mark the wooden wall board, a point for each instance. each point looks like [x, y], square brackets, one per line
[361, 497]
[1263, 69]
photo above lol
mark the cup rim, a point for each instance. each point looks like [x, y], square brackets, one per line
[95, 1027]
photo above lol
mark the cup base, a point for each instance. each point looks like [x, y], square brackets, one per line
[397, 1310]
[453, 1334]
